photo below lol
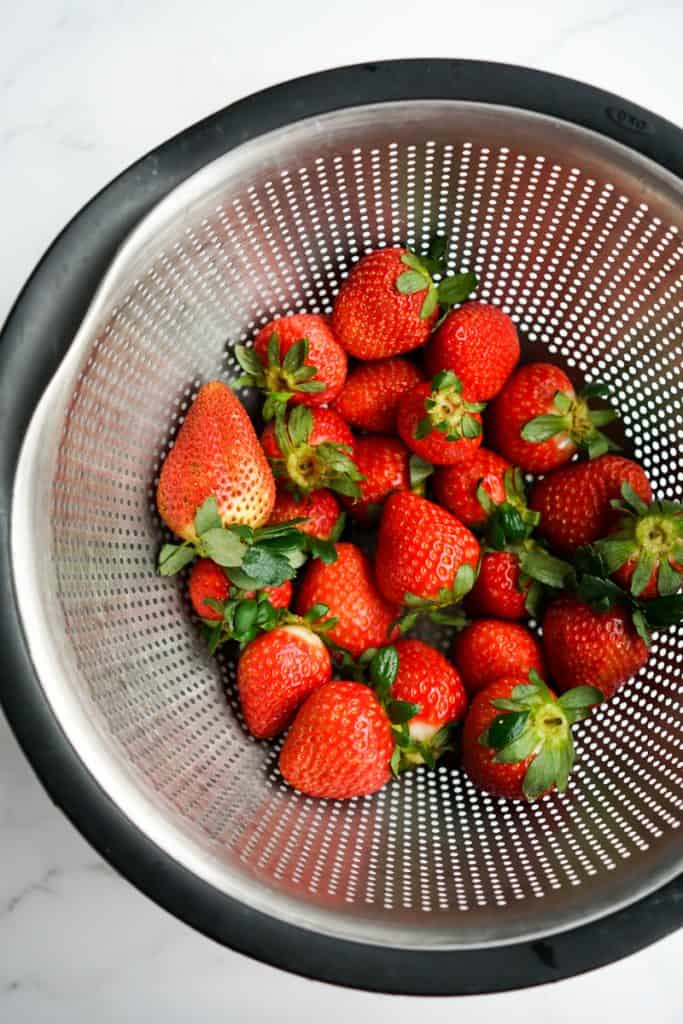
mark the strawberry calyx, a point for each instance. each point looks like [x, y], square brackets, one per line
[447, 411]
[574, 418]
[246, 617]
[444, 609]
[310, 467]
[650, 539]
[535, 723]
[510, 520]
[448, 289]
[280, 378]
[589, 578]
[416, 742]
[252, 558]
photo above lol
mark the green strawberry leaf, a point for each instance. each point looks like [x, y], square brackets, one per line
[668, 579]
[411, 281]
[249, 361]
[430, 304]
[383, 671]
[580, 697]
[338, 528]
[541, 773]
[542, 428]
[223, 547]
[274, 350]
[456, 288]
[540, 565]
[268, 568]
[632, 499]
[562, 402]
[323, 549]
[300, 424]
[660, 612]
[207, 517]
[316, 612]
[641, 627]
[596, 390]
[615, 552]
[419, 470]
[464, 581]
[470, 427]
[311, 387]
[423, 428]
[506, 728]
[245, 616]
[400, 711]
[642, 573]
[296, 356]
[438, 247]
[174, 557]
[395, 760]
[518, 748]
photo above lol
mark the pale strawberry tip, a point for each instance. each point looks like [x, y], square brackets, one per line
[535, 723]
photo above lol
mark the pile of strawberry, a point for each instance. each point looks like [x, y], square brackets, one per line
[397, 444]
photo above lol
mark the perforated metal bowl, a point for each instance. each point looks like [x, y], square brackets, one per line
[572, 234]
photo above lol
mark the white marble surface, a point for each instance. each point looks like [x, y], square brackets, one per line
[85, 88]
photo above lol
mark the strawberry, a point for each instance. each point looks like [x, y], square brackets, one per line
[389, 302]
[501, 588]
[479, 344]
[457, 486]
[644, 550]
[312, 449]
[294, 359]
[369, 399]
[384, 464]
[424, 554]
[340, 744]
[517, 742]
[438, 423]
[320, 509]
[575, 502]
[488, 649]
[432, 698]
[215, 454]
[583, 645]
[208, 581]
[347, 586]
[275, 674]
[538, 421]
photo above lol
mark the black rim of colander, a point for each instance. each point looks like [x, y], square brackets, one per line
[35, 338]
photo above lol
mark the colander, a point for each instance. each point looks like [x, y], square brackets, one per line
[565, 202]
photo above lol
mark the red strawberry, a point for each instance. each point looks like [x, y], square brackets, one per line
[516, 741]
[216, 453]
[340, 743]
[384, 464]
[438, 423]
[208, 580]
[312, 448]
[456, 486]
[320, 508]
[347, 587]
[538, 422]
[574, 502]
[644, 551]
[585, 646]
[275, 674]
[372, 318]
[295, 359]
[421, 550]
[424, 678]
[500, 588]
[488, 649]
[369, 399]
[479, 344]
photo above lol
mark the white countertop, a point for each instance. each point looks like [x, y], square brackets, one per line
[85, 88]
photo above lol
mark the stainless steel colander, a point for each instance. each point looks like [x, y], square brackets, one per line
[573, 234]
